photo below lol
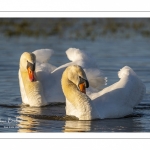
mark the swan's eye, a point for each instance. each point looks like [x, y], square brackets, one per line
[31, 66]
[81, 80]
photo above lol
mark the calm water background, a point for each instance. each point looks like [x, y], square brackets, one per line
[111, 53]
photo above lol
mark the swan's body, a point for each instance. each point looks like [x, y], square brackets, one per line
[115, 101]
[47, 85]
[31, 89]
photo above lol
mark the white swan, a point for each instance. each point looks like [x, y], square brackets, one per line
[31, 89]
[40, 82]
[115, 101]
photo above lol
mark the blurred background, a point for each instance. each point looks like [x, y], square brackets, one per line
[76, 28]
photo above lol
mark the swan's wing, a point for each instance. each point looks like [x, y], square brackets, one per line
[95, 76]
[75, 54]
[42, 60]
[43, 55]
[119, 99]
[136, 86]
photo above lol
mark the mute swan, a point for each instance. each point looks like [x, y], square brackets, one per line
[114, 101]
[31, 89]
[40, 82]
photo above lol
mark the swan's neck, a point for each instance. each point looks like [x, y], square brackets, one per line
[33, 90]
[78, 103]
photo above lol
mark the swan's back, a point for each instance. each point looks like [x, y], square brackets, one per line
[119, 99]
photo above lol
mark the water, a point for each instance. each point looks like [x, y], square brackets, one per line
[110, 53]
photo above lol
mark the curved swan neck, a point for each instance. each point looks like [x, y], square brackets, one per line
[33, 90]
[80, 101]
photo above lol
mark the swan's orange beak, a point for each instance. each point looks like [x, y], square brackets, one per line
[82, 87]
[83, 84]
[31, 75]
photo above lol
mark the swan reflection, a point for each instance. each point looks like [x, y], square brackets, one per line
[77, 126]
[27, 123]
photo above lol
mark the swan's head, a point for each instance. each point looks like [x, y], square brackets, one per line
[77, 75]
[126, 71]
[27, 64]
